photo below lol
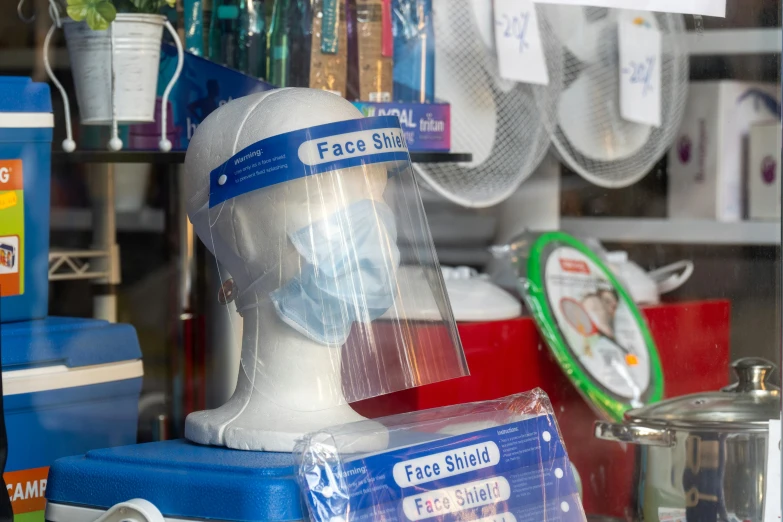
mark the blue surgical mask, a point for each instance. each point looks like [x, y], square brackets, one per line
[348, 276]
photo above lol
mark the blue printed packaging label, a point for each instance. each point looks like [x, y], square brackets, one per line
[517, 472]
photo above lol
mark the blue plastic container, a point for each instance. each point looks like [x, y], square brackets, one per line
[26, 123]
[69, 386]
[183, 480]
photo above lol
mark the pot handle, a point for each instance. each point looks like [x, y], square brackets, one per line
[635, 434]
[165, 144]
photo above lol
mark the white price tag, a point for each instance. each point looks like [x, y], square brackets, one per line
[640, 73]
[518, 42]
[772, 494]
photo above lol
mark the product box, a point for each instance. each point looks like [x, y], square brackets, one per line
[203, 86]
[69, 386]
[329, 47]
[26, 123]
[427, 126]
[374, 45]
[708, 159]
[764, 171]
[184, 481]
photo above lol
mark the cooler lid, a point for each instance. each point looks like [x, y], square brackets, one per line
[66, 341]
[183, 480]
[21, 94]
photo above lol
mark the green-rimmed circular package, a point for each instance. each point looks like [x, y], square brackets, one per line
[592, 325]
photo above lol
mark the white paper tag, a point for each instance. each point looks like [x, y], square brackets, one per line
[772, 494]
[518, 42]
[640, 73]
[695, 7]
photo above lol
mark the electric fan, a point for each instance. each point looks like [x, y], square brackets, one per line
[502, 123]
[589, 133]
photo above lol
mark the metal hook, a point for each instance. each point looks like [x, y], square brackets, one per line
[21, 15]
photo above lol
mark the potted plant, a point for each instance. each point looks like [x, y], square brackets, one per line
[114, 48]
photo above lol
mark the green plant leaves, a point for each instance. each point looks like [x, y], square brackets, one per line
[99, 14]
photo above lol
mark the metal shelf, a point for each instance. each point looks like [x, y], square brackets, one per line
[68, 265]
[80, 219]
[177, 157]
[675, 231]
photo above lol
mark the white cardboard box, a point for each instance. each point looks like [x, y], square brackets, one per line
[708, 160]
[764, 171]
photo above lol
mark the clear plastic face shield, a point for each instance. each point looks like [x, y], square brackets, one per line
[335, 276]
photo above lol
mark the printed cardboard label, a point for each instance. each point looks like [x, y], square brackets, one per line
[329, 71]
[27, 491]
[640, 72]
[597, 325]
[375, 69]
[518, 42]
[11, 228]
[427, 127]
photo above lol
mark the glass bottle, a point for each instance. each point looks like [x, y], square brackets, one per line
[251, 48]
[278, 45]
[223, 32]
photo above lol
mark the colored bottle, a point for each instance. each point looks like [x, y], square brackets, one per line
[278, 45]
[194, 21]
[223, 33]
[300, 42]
[251, 49]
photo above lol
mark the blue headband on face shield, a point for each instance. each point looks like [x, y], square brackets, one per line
[351, 259]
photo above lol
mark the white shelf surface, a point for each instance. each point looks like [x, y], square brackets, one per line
[715, 42]
[675, 231]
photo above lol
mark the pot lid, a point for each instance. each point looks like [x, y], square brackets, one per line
[750, 403]
[592, 326]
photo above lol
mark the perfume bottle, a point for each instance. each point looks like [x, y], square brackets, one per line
[278, 45]
[289, 43]
[223, 33]
[251, 47]
[300, 42]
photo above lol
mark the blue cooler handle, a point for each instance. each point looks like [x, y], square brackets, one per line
[68, 144]
[136, 510]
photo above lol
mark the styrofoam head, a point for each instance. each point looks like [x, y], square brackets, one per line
[247, 120]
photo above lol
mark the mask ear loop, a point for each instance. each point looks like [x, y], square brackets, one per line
[68, 144]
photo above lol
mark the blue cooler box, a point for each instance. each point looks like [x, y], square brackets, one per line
[181, 479]
[69, 386]
[26, 123]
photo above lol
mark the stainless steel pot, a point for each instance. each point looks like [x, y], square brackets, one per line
[704, 455]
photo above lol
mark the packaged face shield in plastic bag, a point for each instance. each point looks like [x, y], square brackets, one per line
[588, 319]
[308, 207]
[493, 461]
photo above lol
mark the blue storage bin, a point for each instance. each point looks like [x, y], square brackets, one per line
[26, 123]
[183, 480]
[69, 386]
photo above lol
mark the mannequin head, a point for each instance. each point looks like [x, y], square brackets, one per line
[249, 234]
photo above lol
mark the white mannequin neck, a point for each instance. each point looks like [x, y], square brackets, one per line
[288, 386]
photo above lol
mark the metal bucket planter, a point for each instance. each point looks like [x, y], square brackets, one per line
[115, 72]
